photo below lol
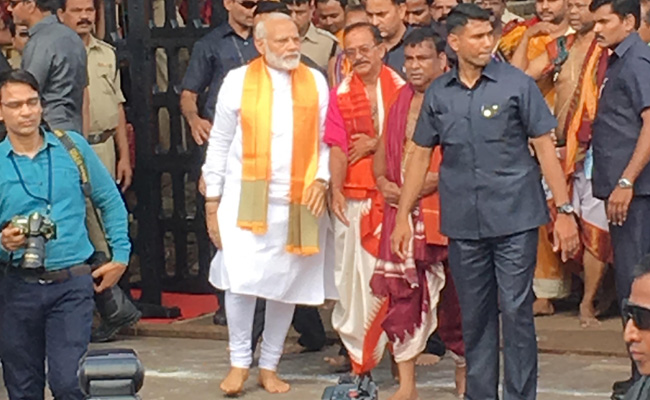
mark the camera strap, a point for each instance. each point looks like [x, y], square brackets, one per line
[86, 186]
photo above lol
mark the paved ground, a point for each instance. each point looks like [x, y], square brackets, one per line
[190, 369]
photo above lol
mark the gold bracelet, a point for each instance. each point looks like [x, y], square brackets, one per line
[213, 199]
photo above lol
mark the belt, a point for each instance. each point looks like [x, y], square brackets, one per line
[101, 137]
[48, 277]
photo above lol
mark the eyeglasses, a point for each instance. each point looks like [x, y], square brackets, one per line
[249, 4]
[17, 105]
[640, 315]
[364, 51]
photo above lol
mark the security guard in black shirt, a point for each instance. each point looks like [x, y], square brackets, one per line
[484, 114]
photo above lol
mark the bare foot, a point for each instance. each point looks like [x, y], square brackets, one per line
[588, 316]
[271, 383]
[543, 307]
[427, 360]
[293, 348]
[405, 394]
[233, 384]
[339, 363]
[461, 380]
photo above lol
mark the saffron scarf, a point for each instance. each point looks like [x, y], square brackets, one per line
[256, 117]
[582, 109]
[356, 111]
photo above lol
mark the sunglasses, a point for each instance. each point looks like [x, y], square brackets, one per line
[249, 4]
[640, 315]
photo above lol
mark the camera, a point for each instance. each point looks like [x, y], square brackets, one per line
[349, 387]
[38, 229]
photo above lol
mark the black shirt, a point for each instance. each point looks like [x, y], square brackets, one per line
[395, 57]
[617, 126]
[212, 57]
[490, 185]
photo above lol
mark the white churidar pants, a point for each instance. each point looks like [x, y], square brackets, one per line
[240, 310]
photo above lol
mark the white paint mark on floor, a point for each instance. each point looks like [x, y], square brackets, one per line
[332, 379]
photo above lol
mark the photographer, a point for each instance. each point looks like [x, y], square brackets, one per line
[46, 289]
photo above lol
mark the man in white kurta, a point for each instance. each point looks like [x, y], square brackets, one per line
[250, 263]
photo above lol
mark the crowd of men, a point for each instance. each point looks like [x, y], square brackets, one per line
[438, 170]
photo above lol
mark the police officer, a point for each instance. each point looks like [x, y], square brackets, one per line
[484, 115]
[317, 44]
[107, 128]
[46, 298]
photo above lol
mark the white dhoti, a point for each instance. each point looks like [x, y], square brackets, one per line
[358, 314]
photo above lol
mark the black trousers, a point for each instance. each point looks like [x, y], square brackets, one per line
[40, 322]
[495, 276]
[631, 242]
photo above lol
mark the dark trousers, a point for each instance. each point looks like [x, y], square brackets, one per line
[493, 275]
[39, 322]
[631, 242]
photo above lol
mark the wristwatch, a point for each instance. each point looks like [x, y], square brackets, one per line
[625, 183]
[566, 208]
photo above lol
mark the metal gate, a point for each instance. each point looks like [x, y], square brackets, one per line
[151, 40]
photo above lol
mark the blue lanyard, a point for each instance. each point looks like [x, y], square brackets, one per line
[48, 201]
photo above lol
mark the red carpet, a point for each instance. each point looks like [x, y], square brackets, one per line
[191, 305]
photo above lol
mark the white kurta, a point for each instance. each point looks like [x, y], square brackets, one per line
[259, 265]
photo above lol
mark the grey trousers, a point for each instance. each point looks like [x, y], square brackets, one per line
[491, 276]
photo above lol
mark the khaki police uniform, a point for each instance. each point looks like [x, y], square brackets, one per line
[318, 45]
[106, 95]
[104, 88]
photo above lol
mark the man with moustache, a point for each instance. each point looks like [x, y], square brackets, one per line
[484, 114]
[274, 205]
[418, 13]
[355, 123]
[577, 65]
[636, 318]
[525, 40]
[621, 140]
[440, 9]
[228, 46]
[317, 44]
[107, 129]
[331, 16]
[388, 17]
[339, 67]
[413, 287]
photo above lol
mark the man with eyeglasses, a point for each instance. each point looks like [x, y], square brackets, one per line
[46, 307]
[56, 56]
[636, 316]
[355, 122]
[228, 46]
[19, 38]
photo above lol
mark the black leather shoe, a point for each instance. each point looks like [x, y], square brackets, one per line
[219, 317]
[116, 312]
